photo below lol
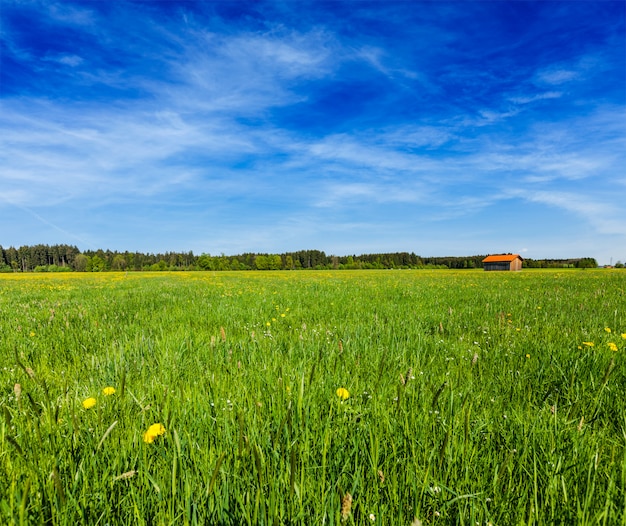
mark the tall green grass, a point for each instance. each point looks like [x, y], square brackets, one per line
[473, 399]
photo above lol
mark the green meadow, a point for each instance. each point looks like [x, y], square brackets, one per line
[322, 397]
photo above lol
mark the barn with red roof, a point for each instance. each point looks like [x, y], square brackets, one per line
[503, 262]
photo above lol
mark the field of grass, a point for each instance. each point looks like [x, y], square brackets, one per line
[467, 398]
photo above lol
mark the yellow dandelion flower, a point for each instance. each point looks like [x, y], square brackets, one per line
[108, 391]
[268, 324]
[89, 403]
[32, 333]
[607, 329]
[343, 393]
[588, 344]
[612, 346]
[528, 356]
[154, 431]
[624, 335]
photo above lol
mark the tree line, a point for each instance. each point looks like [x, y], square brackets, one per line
[68, 258]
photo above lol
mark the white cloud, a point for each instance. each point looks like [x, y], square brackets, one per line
[557, 76]
[65, 59]
[69, 14]
[268, 67]
[605, 217]
[528, 99]
[347, 194]
[579, 69]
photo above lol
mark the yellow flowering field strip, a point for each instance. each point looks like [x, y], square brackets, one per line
[365, 397]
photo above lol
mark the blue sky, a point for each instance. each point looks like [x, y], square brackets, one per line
[441, 128]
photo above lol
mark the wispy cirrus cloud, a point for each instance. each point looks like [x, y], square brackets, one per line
[268, 69]
[528, 99]
[557, 76]
[604, 216]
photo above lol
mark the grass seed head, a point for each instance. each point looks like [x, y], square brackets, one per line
[127, 475]
[346, 507]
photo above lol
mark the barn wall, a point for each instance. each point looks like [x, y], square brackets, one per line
[516, 264]
[498, 265]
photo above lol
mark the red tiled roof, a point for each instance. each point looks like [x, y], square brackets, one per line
[501, 257]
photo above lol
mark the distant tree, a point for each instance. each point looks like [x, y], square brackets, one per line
[118, 263]
[204, 261]
[262, 262]
[24, 258]
[586, 263]
[96, 264]
[276, 262]
[5, 266]
[160, 266]
[81, 262]
[138, 260]
[12, 258]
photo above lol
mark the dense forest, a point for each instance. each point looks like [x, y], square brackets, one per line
[67, 258]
